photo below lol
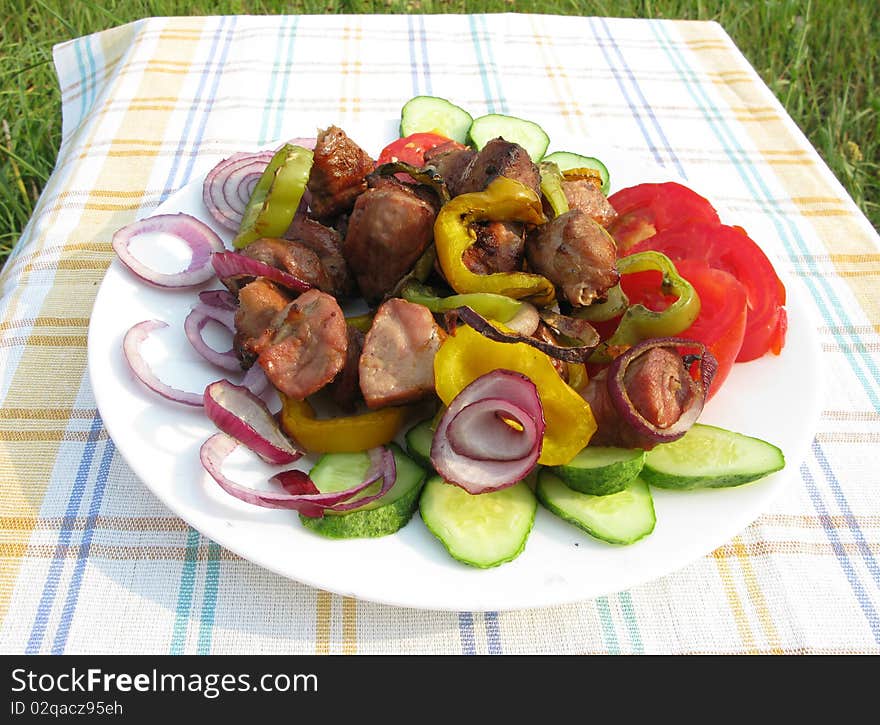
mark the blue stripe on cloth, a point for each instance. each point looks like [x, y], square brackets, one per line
[493, 633]
[209, 599]
[93, 74]
[647, 106]
[84, 548]
[632, 624]
[637, 114]
[849, 571]
[185, 593]
[426, 64]
[787, 230]
[50, 586]
[466, 633]
[80, 64]
[475, 39]
[608, 632]
[285, 76]
[413, 63]
[273, 77]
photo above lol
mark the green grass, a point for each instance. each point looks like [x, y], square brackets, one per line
[820, 58]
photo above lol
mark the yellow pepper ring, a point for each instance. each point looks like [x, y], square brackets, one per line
[349, 434]
[503, 200]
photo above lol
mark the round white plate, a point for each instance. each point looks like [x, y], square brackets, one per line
[775, 398]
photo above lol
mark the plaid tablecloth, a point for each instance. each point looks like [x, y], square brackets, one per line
[91, 562]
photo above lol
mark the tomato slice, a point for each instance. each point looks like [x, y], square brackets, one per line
[647, 209]
[721, 324]
[731, 250]
[411, 149]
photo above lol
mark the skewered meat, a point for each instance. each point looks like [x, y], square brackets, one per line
[327, 244]
[259, 303]
[292, 257]
[338, 173]
[500, 158]
[583, 194]
[500, 247]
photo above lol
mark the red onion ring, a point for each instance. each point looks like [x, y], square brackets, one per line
[627, 410]
[218, 447]
[198, 236]
[228, 186]
[193, 325]
[464, 450]
[229, 265]
[239, 413]
[255, 380]
[131, 344]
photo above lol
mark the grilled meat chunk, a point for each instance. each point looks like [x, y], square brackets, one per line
[292, 257]
[308, 345]
[390, 227]
[660, 388]
[345, 388]
[576, 254]
[338, 173]
[583, 194]
[500, 247]
[259, 303]
[327, 244]
[397, 364]
[451, 161]
[500, 158]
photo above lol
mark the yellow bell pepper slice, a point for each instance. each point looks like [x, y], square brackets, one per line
[503, 200]
[348, 434]
[466, 355]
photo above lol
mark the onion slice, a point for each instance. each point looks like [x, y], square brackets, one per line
[628, 412]
[131, 348]
[228, 186]
[239, 413]
[496, 417]
[473, 318]
[218, 447]
[198, 236]
[193, 325]
[231, 265]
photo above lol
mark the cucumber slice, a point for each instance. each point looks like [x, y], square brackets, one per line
[484, 530]
[527, 134]
[418, 442]
[430, 114]
[620, 518]
[710, 457]
[566, 160]
[601, 471]
[336, 471]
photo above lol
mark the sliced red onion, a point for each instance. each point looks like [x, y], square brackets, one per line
[131, 345]
[629, 413]
[222, 299]
[198, 236]
[230, 265]
[196, 321]
[255, 380]
[228, 186]
[218, 447]
[306, 142]
[239, 413]
[526, 319]
[577, 354]
[474, 440]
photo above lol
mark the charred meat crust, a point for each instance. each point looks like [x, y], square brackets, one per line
[500, 158]
[500, 247]
[338, 174]
[259, 303]
[327, 244]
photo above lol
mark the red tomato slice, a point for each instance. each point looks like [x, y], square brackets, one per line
[721, 324]
[731, 250]
[647, 209]
[411, 149]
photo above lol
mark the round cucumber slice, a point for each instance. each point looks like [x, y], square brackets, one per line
[601, 471]
[567, 160]
[619, 518]
[711, 457]
[484, 530]
[527, 134]
[430, 114]
[418, 443]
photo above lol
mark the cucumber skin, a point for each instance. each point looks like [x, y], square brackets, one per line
[450, 108]
[490, 118]
[495, 563]
[689, 483]
[371, 523]
[598, 486]
[412, 448]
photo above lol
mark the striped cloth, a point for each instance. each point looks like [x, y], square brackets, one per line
[92, 562]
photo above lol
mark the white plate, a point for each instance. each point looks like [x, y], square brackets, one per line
[776, 398]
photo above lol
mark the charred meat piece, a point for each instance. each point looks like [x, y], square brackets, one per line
[308, 345]
[292, 257]
[660, 388]
[451, 160]
[500, 247]
[327, 244]
[345, 388]
[338, 173]
[583, 194]
[390, 227]
[397, 364]
[259, 303]
[500, 158]
[576, 254]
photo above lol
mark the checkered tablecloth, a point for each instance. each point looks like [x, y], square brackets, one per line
[91, 562]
